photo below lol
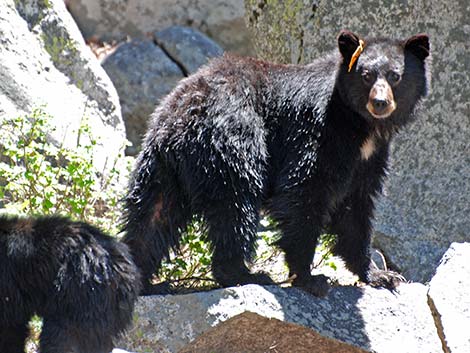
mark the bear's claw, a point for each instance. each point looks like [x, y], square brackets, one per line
[385, 279]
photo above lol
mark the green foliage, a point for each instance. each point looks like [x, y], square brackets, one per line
[323, 251]
[190, 265]
[270, 233]
[35, 326]
[38, 177]
[266, 253]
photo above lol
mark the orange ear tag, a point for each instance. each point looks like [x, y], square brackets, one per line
[356, 54]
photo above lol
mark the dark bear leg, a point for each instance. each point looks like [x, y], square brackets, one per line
[55, 339]
[300, 225]
[232, 233]
[230, 272]
[351, 223]
[353, 237]
[298, 241]
[13, 337]
[60, 337]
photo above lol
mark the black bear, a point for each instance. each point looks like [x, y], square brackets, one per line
[80, 281]
[308, 144]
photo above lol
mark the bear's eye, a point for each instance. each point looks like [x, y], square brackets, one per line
[393, 78]
[368, 77]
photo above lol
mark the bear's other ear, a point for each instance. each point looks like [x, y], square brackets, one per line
[418, 45]
[347, 43]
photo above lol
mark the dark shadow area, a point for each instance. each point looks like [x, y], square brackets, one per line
[336, 316]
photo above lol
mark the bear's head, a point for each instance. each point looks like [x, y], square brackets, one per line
[382, 79]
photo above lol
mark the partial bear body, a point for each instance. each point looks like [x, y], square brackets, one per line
[82, 283]
[309, 144]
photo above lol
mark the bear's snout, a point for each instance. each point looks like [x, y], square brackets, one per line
[381, 102]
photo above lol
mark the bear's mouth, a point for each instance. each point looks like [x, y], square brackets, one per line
[381, 110]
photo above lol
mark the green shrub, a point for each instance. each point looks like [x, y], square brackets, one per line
[39, 177]
[268, 255]
[189, 267]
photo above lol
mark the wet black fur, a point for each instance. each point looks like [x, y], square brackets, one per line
[80, 281]
[242, 134]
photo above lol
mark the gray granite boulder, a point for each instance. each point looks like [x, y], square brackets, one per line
[427, 201]
[449, 297]
[279, 28]
[221, 20]
[45, 63]
[188, 47]
[374, 319]
[142, 74]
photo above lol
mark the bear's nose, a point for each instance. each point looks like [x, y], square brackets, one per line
[379, 105]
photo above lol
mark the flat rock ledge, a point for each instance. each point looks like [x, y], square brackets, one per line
[415, 318]
[372, 319]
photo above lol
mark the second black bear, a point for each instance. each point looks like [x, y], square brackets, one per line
[309, 144]
[82, 283]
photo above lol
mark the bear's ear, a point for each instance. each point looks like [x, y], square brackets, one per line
[347, 43]
[418, 45]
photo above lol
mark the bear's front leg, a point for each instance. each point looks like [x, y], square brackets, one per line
[351, 223]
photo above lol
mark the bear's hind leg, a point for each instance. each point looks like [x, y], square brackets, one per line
[58, 336]
[232, 152]
[13, 337]
[232, 233]
[351, 224]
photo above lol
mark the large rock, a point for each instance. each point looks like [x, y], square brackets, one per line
[142, 74]
[188, 47]
[144, 71]
[44, 62]
[373, 319]
[222, 20]
[427, 200]
[449, 297]
[279, 27]
[252, 333]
